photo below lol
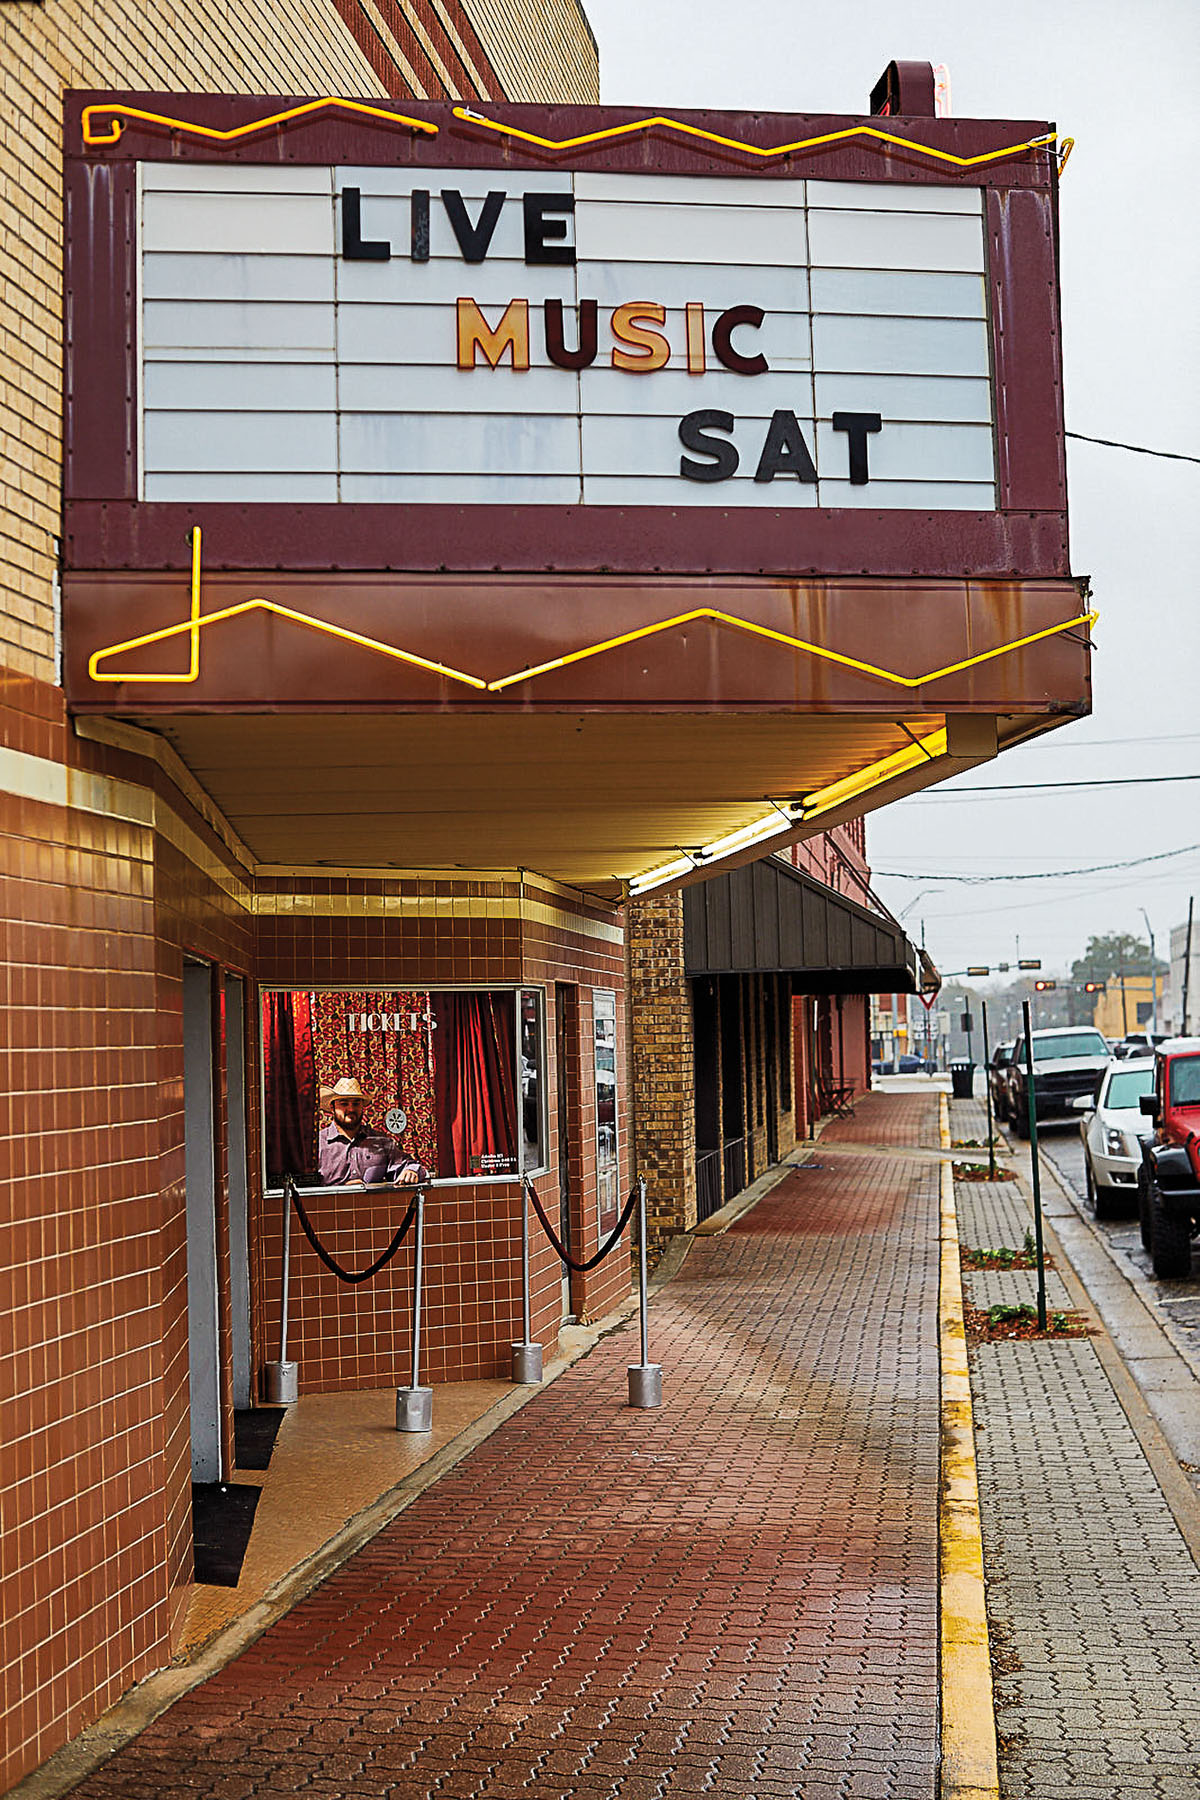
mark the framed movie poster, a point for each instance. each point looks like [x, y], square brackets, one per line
[604, 1022]
[402, 1084]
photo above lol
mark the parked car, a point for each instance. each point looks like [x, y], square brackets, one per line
[999, 1074]
[906, 1064]
[1136, 1043]
[1068, 1061]
[1113, 1131]
[1169, 1178]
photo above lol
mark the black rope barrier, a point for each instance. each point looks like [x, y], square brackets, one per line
[581, 1268]
[350, 1276]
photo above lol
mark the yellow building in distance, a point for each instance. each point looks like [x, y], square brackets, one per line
[1127, 1004]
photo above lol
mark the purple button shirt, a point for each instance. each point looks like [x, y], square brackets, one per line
[367, 1156]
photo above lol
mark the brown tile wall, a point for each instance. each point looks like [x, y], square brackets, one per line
[472, 1309]
[83, 1606]
[98, 914]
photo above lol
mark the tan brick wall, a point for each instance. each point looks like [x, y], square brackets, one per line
[273, 46]
[542, 51]
[664, 1079]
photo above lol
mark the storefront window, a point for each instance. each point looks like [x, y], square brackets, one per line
[433, 1073]
[604, 1015]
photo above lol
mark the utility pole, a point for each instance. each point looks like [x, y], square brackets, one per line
[1187, 969]
[1153, 974]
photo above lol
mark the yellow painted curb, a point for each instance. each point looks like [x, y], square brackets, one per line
[969, 1768]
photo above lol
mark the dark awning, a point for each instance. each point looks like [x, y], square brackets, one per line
[770, 917]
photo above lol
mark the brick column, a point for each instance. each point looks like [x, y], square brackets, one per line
[663, 1068]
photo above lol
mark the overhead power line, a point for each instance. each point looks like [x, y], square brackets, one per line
[1133, 862]
[1031, 787]
[1138, 449]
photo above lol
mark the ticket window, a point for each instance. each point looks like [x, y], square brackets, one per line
[604, 1021]
[452, 1078]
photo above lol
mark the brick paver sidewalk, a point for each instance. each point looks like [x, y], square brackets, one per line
[735, 1595]
[909, 1120]
[1093, 1597]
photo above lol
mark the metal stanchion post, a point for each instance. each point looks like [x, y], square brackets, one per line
[1037, 1170]
[987, 1090]
[526, 1356]
[645, 1378]
[414, 1405]
[281, 1380]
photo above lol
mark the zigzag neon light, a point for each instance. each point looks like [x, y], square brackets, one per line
[118, 113]
[659, 121]
[198, 621]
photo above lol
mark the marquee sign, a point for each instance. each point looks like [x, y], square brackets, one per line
[561, 407]
[390, 335]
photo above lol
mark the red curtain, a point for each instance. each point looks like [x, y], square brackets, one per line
[476, 1102]
[289, 1077]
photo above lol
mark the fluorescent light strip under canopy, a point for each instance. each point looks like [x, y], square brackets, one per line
[776, 823]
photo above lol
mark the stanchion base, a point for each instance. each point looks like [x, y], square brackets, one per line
[527, 1363]
[414, 1409]
[645, 1384]
[281, 1383]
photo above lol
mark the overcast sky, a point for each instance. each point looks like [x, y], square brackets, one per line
[1121, 80]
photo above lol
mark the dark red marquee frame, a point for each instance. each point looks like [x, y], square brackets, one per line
[106, 528]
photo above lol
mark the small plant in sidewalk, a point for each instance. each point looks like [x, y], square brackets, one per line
[1005, 1257]
[995, 1324]
[973, 1171]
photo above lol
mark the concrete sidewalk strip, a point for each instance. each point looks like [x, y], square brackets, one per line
[737, 1594]
[1093, 1596]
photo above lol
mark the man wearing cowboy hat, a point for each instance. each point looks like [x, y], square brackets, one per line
[350, 1151]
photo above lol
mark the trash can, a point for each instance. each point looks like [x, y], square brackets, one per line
[962, 1080]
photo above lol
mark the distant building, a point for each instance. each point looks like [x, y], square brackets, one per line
[1179, 1010]
[1127, 1004]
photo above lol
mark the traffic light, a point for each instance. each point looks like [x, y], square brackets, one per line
[1093, 987]
[979, 969]
[1045, 987]
[1030, 962]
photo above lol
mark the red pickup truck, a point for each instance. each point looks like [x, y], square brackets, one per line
[1169, 1178]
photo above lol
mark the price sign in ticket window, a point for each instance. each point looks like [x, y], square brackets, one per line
[604, 1015]
[452, 1080]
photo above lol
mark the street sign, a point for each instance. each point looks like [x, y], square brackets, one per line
[966, 1022]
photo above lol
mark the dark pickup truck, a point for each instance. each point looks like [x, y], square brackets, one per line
[1068, 1061]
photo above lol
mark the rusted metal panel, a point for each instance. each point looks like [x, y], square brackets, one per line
[351, 538]
[762, 653]
[100, 384]
[1022, 232]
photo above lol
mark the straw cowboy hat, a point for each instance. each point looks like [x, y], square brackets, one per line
[346, 1089]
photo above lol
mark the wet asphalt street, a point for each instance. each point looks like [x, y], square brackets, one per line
[1177, 1301]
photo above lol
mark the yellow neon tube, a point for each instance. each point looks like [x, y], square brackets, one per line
[793, 643]
[193, 626]
[197, 620]
[870, 132]
[117, 113]
[258, 604]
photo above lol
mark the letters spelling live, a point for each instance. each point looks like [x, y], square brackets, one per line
[637, 348]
